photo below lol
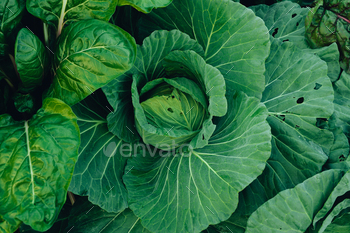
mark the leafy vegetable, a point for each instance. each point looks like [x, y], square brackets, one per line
[144, 5]
[37, 162]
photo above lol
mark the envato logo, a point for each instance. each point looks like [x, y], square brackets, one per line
[141, 149]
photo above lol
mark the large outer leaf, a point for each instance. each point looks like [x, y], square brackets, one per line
[36, 165]
[60, 12]
[186, 193]
[148, 64]
[86, 217]
[100, 166]
[292, 210]
[90, 54]
[285, 21]
[31, 59]
[234, 39]
[144, 5]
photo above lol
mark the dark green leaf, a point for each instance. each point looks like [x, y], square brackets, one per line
[36, 165]
[31, 60]
[90, 54]
[24, 102]
[100, 166]
[144, 6]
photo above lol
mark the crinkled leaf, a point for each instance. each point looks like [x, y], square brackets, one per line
[90, 54]
[31, 60]
[234, 39]
[100, 166]
[186, 193]
[292, 210]
[61, 12]
[148, 64]
[86, 217]
[11, 12]
[285, 21]
[24, 102]
[328, 22]
[144, 6]
[36, 164]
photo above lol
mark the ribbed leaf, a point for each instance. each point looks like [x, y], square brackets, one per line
[144, 6]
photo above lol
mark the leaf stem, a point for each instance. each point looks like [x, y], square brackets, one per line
[60, 21]
[46, 33]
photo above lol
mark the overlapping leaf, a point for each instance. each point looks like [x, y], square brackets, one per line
[186, 192]
[90, 54]
[234, 40]
[144, 5]
[36, 165]
[61, 12]
[292, 210]
[100, 166]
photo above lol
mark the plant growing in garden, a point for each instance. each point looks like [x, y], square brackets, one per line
[221, 118]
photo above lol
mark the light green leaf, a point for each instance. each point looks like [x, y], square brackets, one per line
[285, 21]
[342, 103]
[292, 210]
[334, 215]
[148, 64]
[61, 12]
[234, 40]
[339, 225]
[144, 6]
[329, 54]
[100, 166]
[31, 60]
[82, 67]
[86, 217]
[36, 164]
[340, 189]
[187, 192]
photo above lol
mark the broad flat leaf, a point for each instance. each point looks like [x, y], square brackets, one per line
[100, 166]
[187, 192]
[61, 12]
[340, 224]
[342, 103]
[148, 64]
[11, 12]
[296, 83]
[36, 165]
[86, 217]
[144, 6]
[340, 189]
[31, 60]
[328, 22]
[285, 21]
[234, 40]
[292, 210]
[90, 53]
[329, 54]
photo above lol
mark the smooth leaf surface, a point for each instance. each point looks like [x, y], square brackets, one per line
[186, 193]
[100, 166]
[90, 54]
[61, 12]
[144, 6]
[292, 210]
[148, 64]
[31, 60]
[234, 40]
[334, 216]
[36, 165]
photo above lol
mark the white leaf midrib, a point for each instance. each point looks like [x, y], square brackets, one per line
[26, 127]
